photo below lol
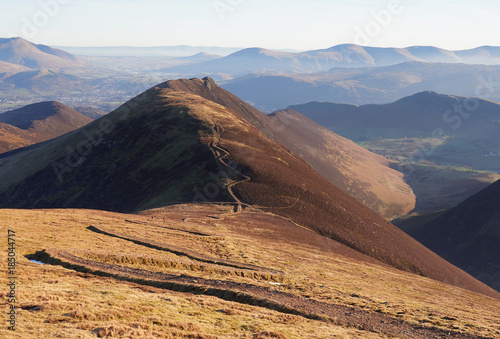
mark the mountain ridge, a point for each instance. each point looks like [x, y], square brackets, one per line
[366, 85]
[335, 157]
[131, 172]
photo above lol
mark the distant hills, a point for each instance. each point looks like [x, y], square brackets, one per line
[22, 52]
[200, 57]
[36, 68]
[166, 146]
[425, 133]
[36, 123]
[42, 80]
[268, 79]
[467, 235]
[419, 113]
[344, 55]
[260, 60]
[370, 85]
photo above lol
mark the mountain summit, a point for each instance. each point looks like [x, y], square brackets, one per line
[22, 52]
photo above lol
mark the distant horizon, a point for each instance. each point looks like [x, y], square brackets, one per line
[247, 47]
[293, 25]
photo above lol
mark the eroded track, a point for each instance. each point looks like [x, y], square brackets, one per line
[246, 293]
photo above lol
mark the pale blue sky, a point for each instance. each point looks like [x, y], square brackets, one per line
[278, 24]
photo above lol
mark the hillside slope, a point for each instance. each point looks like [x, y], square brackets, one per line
[12, 138]
[366, 176]
[36, 123]
[6, 67]
[166, 147]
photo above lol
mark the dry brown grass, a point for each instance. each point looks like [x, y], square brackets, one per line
[58, 302]
[179, 266]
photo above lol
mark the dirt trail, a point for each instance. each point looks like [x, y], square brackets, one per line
[180, 250]
[252, 295]
[221, 154]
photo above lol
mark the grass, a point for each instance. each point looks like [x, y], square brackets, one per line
[59, 302]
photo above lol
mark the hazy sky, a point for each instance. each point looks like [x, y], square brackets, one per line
[279, 24]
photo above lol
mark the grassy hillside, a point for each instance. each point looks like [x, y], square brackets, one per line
[92, 285]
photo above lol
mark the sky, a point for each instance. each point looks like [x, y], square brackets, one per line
[274, 24]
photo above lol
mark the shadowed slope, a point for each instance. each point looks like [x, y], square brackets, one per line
[145, 153]
[167, 146]
[468, 235]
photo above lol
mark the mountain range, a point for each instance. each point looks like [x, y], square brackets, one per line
[370, 85]
[168, 146]
[36, 123]
[260, 60]
[453, 120]
[165, 51]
